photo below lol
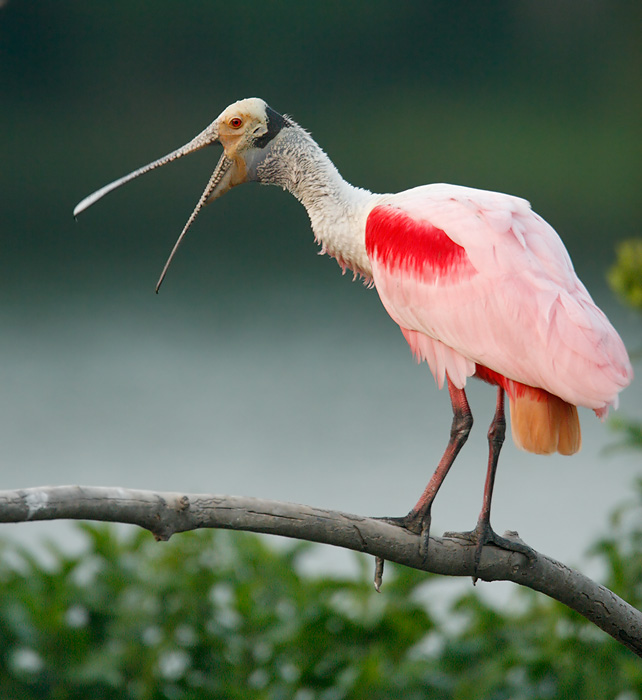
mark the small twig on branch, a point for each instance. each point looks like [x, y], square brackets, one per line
[165, 514]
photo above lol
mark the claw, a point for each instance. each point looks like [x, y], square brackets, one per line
[378, 576]
[418, 524]
[482, 535]
[425, 540]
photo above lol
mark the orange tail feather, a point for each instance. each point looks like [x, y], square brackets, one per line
[544, 424]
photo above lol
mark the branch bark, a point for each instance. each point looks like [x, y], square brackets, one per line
[166, 513]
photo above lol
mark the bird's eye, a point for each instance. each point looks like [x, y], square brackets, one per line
[235, 122]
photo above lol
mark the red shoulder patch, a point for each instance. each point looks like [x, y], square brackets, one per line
[398, 241]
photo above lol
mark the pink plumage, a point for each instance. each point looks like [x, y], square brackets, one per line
[499, 291]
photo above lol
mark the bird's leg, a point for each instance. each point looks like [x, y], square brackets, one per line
[418, 519]
[496, 436]
[483, 532]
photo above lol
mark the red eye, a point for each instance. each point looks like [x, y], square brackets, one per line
[235, 122]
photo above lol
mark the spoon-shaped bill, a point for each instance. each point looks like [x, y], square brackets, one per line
[205, 138]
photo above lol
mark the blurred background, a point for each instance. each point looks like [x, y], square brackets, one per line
[260, 370]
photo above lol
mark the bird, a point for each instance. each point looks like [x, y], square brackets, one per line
[479, 284]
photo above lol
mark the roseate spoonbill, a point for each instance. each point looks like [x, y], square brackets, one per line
[479, 284]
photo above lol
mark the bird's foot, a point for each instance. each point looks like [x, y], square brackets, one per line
[418, 524]
[482, 535]
[415, 523]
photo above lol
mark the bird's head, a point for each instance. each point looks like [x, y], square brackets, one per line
[245, 129]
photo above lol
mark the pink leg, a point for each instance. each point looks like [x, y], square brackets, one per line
[483, 533]
[496, 435]
[418, 519]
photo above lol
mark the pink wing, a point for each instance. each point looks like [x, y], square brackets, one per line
[475, 277]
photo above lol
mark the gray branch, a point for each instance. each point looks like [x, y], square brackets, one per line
[165, 514]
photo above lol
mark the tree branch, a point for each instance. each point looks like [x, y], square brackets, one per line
[165, 514]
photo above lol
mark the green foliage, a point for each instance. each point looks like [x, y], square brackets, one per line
[630, 432]
[625, 277]
[225, 615]
[208, 613]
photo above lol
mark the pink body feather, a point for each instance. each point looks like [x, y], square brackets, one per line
[476, 278]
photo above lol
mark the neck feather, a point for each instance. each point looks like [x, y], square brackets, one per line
[337, 210]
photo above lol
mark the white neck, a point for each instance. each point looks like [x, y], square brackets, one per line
[337, 210]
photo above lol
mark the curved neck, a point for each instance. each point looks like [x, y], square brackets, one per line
[337, 210]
